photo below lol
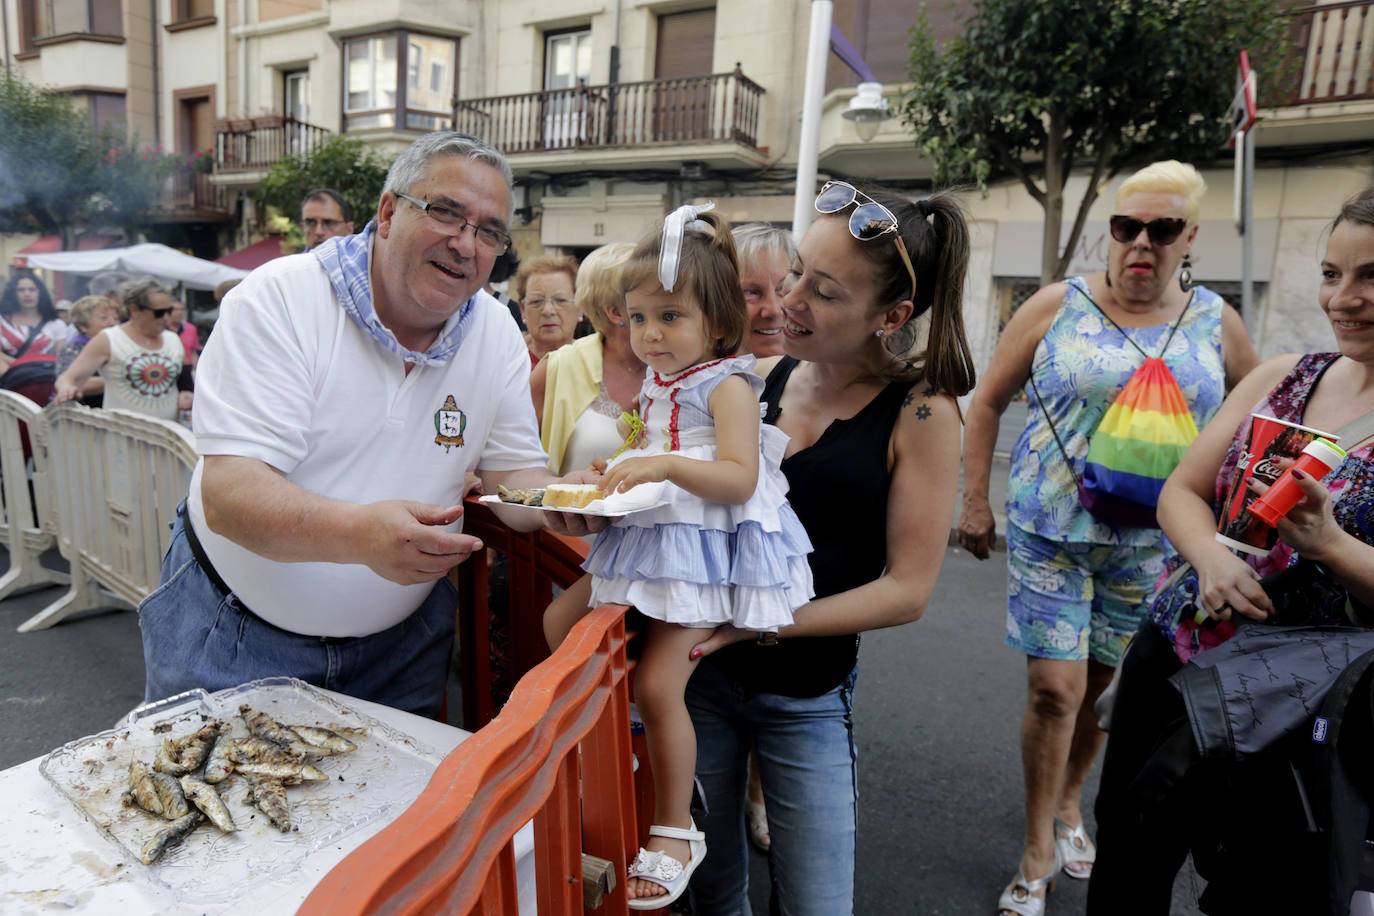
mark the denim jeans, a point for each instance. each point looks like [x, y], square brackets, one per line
[194, 635]
[808, 766]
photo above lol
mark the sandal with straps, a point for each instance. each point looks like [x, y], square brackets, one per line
[663, 869]
[1074, 847]
[1018, 897]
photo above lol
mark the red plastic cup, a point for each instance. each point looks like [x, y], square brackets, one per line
[1318, 459]
[1269, 440]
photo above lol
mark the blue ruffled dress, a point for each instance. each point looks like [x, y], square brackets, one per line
[696, 563]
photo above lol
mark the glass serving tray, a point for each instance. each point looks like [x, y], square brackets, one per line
[379, 780]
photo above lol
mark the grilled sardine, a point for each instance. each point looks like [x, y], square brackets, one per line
[220, 761]
[281, 771]
[169, 836]
[331, 741]
[270, 798]
[179, 756]
[154, 792]
[204, 797]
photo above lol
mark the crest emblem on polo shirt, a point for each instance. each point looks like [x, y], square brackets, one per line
[449, 423]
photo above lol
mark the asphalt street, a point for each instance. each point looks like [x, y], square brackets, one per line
[937, 711]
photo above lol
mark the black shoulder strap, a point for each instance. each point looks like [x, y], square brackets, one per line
[28, 341]
[1172, 328]
[772, 389]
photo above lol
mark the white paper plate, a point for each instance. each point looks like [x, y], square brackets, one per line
[644, 496]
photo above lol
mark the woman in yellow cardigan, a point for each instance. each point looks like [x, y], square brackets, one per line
[581, 390]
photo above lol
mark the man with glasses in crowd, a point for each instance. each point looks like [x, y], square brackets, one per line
[342, 398]
[324, 214]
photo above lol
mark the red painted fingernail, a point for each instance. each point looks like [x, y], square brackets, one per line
[1299, 474]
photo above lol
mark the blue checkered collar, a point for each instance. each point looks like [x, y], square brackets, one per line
[346, 260]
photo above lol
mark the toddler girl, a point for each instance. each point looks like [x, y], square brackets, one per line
[724, 548]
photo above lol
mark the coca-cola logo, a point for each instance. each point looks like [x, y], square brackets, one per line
[1267, 470]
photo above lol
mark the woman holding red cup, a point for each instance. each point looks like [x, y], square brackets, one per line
[1140, 846]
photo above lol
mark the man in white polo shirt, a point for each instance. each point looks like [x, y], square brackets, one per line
[341, 399]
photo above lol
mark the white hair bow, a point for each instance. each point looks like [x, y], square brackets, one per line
[675, 225]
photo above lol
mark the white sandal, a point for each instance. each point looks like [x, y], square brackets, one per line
[756, 821]
[1018, 897]
[1074, 847]
[665, 871]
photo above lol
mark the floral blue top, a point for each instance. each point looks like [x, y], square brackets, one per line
[1080, 367]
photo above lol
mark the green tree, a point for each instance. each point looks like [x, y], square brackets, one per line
[342, 163]
[49, 161]
[131, 179]
[1031, 90]
[59, 175]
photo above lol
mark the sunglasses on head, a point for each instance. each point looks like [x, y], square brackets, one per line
[1164, 231]
[870, 219]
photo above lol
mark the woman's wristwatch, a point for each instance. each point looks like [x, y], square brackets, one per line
[767, 639]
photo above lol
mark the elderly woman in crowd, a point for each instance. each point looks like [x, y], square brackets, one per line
[1077, 587]
[140, 360]
[545, 287]
[580, 391]
[871, 414]
[765, 257]
[1144, 846]
[90, 315]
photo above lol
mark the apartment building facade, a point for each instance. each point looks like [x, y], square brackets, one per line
[614, 111]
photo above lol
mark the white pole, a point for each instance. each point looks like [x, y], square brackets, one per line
[1247, 299]
[808, 149]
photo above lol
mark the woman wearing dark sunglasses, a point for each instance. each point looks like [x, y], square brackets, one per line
[875, 355]
[140, 360]
[1077, 587]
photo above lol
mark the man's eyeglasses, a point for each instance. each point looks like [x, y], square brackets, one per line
[491, 240]
[1126, 229]
[160, 313]
[328, 225]
[870, 219]
[538, 303]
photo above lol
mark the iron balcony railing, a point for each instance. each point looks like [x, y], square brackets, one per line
[260, 143]
[723, 108]
[190, 192]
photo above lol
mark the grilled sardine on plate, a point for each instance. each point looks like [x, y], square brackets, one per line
[204, 797]
[270, 798]
[154, 792]
[169, 836]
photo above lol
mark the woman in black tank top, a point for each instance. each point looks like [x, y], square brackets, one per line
[873, 468]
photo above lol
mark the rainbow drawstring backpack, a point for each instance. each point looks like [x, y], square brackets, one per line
[1137, 443]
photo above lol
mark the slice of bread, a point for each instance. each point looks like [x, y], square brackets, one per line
[571, 495]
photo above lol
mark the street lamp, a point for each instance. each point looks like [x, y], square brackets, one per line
[867, 110]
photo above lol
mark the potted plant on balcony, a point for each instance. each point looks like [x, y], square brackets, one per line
[202, 161]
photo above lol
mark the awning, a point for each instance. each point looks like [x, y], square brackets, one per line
[49, 244]
[165, 263]
[255, 255]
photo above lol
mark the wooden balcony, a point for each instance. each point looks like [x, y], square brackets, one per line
[254, 144]
[1335, 44]
[722, 108]
[192, 196]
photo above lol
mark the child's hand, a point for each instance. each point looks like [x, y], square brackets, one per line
[633, 471]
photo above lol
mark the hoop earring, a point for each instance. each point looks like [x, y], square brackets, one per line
[1185, 274]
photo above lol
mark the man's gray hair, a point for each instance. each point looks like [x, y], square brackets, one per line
[139, 290]
[410, 165]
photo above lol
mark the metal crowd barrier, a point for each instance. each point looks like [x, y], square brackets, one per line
[113, 482]
[29, 527]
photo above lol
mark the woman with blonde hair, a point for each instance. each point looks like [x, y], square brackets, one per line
[581, 390]
[1077, 586]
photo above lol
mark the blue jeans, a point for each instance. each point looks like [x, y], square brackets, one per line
[194, 635]
[808, 766]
